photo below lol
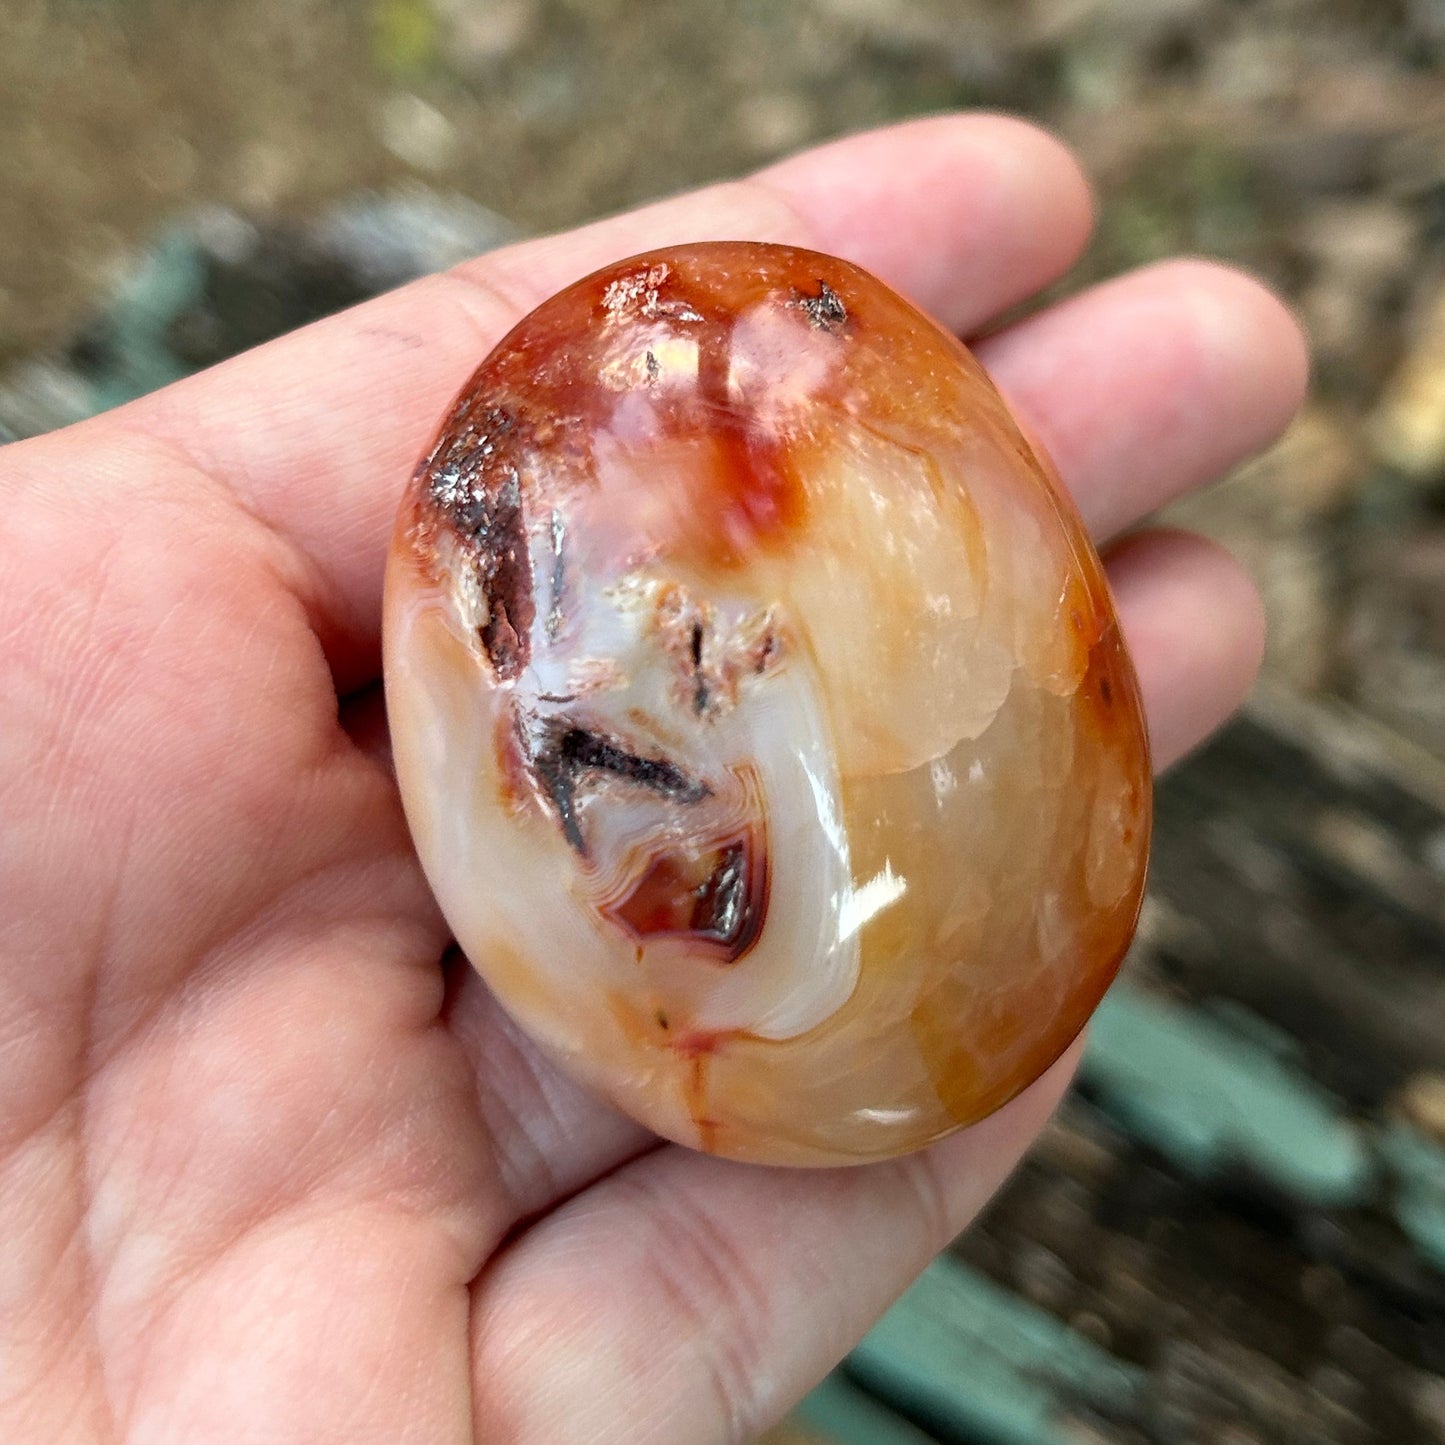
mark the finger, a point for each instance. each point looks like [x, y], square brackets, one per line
[961, 248]
[965, 214]
[1150, 385]
[685, 1298]
[1195, 627]
[316, 433]
[549, 1136]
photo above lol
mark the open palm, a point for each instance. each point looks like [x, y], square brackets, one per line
[273, 1167]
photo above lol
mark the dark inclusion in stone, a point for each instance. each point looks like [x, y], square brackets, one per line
[479, 491]
[719, 897]
[826, 310]
[722, 902]
[562, 756]
[718, 893]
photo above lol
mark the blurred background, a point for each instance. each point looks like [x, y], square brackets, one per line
[1235, 1231]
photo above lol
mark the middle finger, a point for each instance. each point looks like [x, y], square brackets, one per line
[1147, 386]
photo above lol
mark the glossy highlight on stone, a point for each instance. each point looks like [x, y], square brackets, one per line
[760, 711]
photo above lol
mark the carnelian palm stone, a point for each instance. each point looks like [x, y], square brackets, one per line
[760, 711]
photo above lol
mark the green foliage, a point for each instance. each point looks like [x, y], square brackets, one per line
[404, 37]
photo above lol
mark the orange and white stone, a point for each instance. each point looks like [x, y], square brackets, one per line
[760, 711]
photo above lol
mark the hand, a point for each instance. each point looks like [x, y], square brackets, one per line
[273, 1167]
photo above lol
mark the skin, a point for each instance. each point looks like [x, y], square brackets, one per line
[272, 1165]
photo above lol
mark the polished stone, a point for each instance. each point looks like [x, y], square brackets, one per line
[760, 710]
